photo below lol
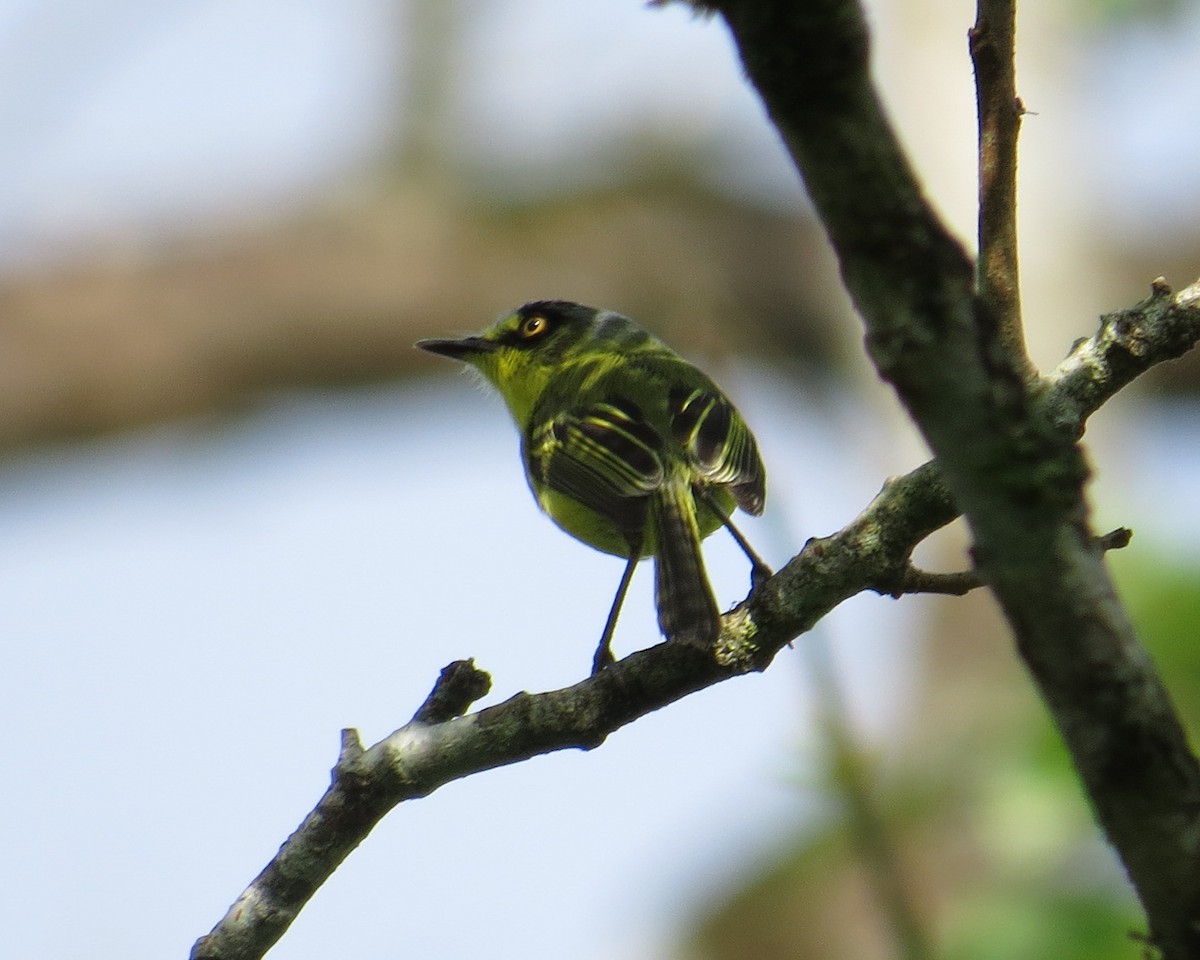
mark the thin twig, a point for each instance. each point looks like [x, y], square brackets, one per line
[915, 580]
[956, 584]
[460, 685]
[997, 277]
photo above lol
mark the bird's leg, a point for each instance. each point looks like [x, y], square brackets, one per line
[760, 573]
[604, 654]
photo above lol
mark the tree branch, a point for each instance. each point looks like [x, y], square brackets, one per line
[997, 277]
[915, 580]
[440, 744]
[1008, 464]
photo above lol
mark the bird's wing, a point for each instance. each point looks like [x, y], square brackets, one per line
[605, 457]
[719, 444]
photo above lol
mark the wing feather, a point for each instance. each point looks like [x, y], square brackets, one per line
[606, 458]
[719, 444]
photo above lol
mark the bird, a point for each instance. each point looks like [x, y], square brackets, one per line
[626, 446]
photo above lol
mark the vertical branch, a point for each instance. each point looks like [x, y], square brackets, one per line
[997, 278]
[953, 354]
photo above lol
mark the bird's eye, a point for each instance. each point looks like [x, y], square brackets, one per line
[533, 327]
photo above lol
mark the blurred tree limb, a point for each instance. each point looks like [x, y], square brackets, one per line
[947, 337]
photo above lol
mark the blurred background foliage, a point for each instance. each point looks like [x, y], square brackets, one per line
[963, 834]
[991, 851]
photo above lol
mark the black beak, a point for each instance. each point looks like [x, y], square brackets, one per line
[462, 349]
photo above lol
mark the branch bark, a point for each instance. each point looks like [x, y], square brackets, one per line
[443, 743]
[997, 274]
[1017, 477]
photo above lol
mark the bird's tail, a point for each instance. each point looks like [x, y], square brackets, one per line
[686, 609]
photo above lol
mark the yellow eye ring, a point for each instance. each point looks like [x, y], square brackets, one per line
[532, 327]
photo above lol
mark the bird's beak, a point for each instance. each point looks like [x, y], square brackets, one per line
[465, 349]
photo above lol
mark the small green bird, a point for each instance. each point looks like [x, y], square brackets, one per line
[627, 447]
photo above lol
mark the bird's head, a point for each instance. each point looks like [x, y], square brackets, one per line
[521, 352]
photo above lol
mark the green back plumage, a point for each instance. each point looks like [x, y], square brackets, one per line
[626, 445]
